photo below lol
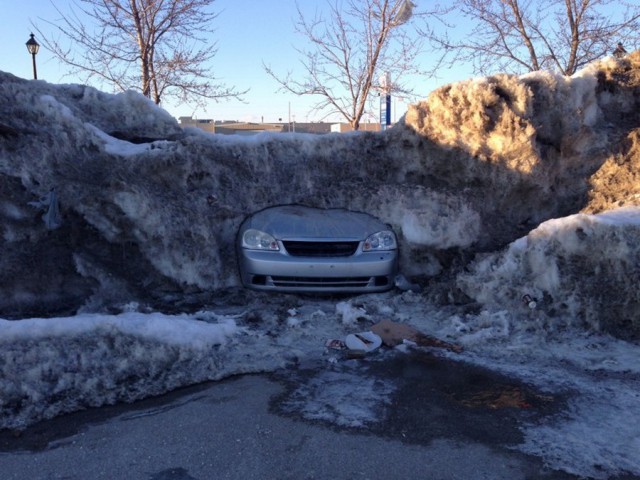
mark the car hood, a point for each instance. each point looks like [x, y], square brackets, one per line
[293, 222]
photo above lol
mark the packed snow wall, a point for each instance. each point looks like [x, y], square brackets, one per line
[149, 212]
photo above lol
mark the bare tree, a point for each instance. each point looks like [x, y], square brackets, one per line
[149, 45]
[351, 52]
[527, 35]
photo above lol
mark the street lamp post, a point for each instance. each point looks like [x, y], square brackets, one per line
[33, 47]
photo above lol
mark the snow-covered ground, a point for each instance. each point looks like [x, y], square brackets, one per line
[57, 365]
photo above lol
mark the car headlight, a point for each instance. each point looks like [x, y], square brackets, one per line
[256, 240]
[385, 240]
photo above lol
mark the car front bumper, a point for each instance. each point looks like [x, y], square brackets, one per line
[278, 271]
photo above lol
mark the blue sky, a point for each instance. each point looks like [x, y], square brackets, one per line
[248, 33]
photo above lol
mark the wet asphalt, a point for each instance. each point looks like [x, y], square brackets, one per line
[442, 420]
[438, 398]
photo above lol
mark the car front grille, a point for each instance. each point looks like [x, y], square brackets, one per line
[320, 249]
[322, 282]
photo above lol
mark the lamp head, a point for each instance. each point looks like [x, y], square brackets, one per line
[32, 45]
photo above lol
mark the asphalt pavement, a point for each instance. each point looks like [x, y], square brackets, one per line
[438, 420]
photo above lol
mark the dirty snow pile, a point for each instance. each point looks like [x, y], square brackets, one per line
[517, 206]
[51, 366]
[147, 212]
[580, 270]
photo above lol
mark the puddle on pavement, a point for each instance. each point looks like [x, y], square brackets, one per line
[432, 397]
[474, 387]
[53, 433]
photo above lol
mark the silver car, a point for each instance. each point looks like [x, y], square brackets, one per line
[293, 248]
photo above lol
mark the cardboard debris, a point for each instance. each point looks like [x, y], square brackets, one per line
[508, 397]
[394, 334]
[503, 396]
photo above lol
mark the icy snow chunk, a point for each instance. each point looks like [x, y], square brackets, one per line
[115, 146]
[621, 216]
[12, 211]
[51, 102]
[342, 397]
[176, 330]
[349, 313]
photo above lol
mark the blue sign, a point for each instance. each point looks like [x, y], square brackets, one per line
[385, 111]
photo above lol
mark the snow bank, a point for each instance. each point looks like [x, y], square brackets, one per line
[580, 270]
[52, 366]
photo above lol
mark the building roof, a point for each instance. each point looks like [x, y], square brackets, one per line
[227, 127]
